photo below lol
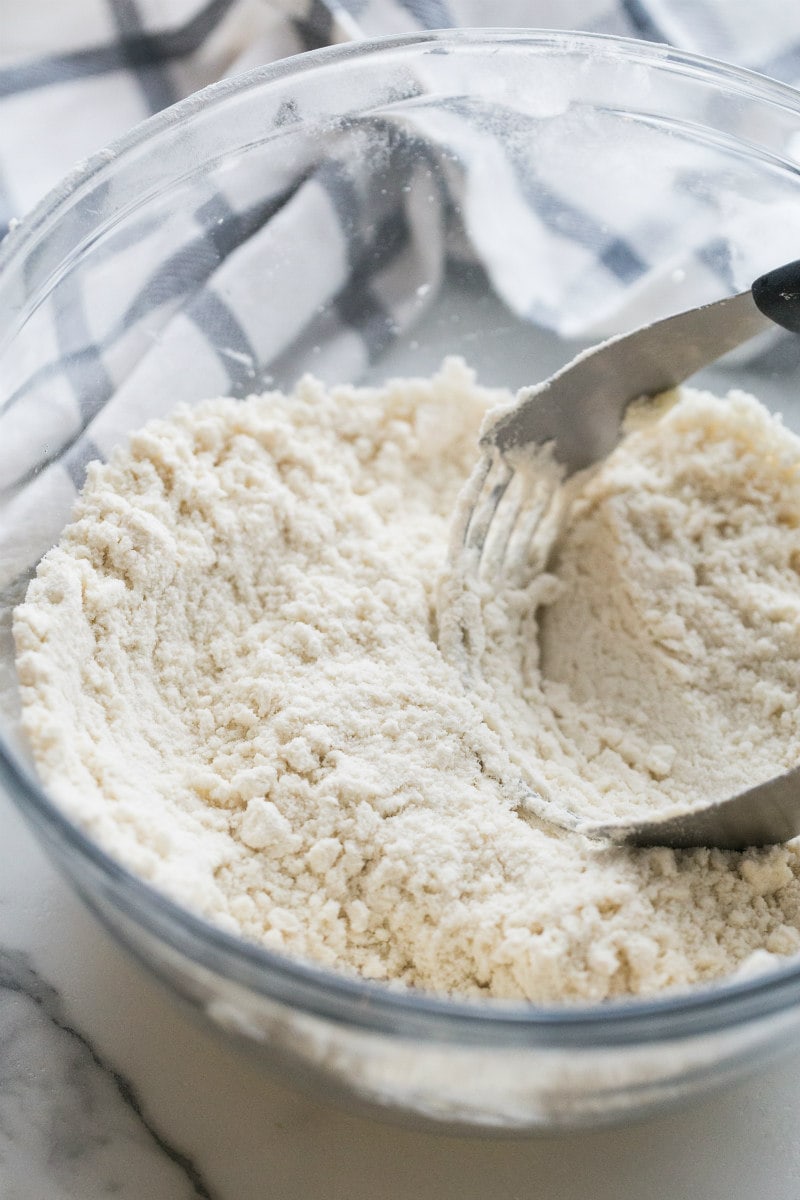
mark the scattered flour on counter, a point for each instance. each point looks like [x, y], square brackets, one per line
[231, 679]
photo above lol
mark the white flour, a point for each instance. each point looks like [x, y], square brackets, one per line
[658, 663]
[230, 678]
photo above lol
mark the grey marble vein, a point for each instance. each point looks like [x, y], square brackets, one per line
[71, 1127]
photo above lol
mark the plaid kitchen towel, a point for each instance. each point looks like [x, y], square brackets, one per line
[76, 75]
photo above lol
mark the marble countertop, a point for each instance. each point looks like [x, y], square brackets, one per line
[108, 1089]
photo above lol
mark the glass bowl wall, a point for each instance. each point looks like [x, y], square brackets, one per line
[358, 213]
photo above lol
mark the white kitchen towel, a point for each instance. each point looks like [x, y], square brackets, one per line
[73, 76]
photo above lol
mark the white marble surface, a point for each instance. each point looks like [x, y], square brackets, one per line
[107, 1089]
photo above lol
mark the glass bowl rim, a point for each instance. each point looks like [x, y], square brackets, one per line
[348, 999]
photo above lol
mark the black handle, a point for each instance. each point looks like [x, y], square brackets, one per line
[777, 295]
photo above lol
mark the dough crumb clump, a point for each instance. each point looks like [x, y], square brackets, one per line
[231, 679]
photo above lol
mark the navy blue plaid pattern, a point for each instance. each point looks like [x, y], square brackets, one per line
[142, 59]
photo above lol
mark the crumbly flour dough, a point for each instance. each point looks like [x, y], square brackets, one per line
[656, 662]
[231, 678]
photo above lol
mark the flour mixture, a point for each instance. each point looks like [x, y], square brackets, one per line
[657, 661]
[231, 679]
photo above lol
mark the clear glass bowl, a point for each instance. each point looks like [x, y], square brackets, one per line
[709, 150]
